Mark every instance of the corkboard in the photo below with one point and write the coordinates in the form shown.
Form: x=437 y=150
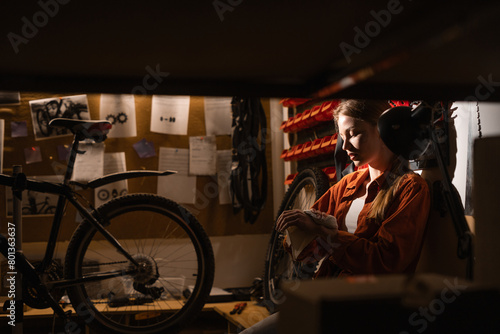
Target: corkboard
x=218 y=220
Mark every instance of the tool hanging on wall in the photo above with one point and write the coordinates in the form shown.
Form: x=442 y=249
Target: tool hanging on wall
x=249 y=167
x=479 y=132
x=403 y=130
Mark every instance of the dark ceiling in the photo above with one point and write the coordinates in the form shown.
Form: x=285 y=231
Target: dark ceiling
x=367 y=49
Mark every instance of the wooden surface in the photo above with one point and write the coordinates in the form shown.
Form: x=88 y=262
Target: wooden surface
x=250 y=315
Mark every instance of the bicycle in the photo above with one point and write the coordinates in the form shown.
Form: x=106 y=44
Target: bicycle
x=36 y=208
x=305 y=190
x=117 y=281
x=53 y=109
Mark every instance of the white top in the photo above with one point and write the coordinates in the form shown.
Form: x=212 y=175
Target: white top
x=351 y=220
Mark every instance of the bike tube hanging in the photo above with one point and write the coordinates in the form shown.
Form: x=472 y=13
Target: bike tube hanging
x=249 y=167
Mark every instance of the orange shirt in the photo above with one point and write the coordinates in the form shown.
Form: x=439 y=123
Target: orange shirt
x=390 y=246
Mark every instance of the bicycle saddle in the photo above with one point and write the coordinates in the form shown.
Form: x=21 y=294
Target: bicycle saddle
x=83 y=129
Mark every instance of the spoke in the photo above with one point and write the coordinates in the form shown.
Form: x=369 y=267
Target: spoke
x=165 y=237
x=164 y=245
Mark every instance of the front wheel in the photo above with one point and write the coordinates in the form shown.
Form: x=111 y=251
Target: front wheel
x=172 y=282
x=305 y=190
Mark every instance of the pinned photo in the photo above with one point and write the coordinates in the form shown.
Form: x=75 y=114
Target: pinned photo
x=45 y=110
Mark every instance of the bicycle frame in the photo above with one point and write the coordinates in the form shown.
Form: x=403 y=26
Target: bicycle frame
x=66 y=194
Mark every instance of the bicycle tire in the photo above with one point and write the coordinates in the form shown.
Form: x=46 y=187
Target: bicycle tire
x=50 y=210
x=27 y=210
x=172 y=241
x=306 y=188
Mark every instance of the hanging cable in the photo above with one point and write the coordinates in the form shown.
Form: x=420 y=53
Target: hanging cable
x=249 y=167
x=480 y=133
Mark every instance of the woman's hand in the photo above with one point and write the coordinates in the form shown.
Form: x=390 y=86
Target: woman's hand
x=297 y=218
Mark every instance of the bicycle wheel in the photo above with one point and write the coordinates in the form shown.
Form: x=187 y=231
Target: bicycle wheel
x=306 y=188
x=27 y=210
x=50 y=210
x=174 y=253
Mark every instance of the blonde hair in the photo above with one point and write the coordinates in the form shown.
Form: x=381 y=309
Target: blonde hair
x=370 y=111
x=366 y=110
x=388 y=189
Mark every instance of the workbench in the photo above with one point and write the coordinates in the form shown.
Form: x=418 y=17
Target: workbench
x=250 y=315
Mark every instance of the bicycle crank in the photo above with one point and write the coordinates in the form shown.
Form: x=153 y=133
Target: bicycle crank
x=32 y=297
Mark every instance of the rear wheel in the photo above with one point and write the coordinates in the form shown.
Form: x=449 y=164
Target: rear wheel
x=306 y=188
x=172 y=282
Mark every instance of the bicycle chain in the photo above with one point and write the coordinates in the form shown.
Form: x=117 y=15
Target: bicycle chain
x=104 y=264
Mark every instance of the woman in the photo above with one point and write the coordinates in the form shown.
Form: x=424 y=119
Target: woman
x=381 y=211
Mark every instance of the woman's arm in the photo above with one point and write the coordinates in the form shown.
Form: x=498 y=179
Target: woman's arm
x=321 y=246
x=302 y=228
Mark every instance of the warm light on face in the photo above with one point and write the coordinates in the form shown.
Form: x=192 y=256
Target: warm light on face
x=361 y=139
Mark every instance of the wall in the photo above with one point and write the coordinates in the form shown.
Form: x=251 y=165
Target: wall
x=439 y=253
x=466 y=124
x=218 y=220
x=235 y=241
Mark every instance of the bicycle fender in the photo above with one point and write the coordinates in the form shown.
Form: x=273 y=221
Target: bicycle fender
x=101 y=181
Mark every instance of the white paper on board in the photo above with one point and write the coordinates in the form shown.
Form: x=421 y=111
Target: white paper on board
x=119 y=109
x=89 y=165
x=170 y=114
x=113 y=163
x=202 y=155
x=178 y=187
x=218 y=115
x=34 y=202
